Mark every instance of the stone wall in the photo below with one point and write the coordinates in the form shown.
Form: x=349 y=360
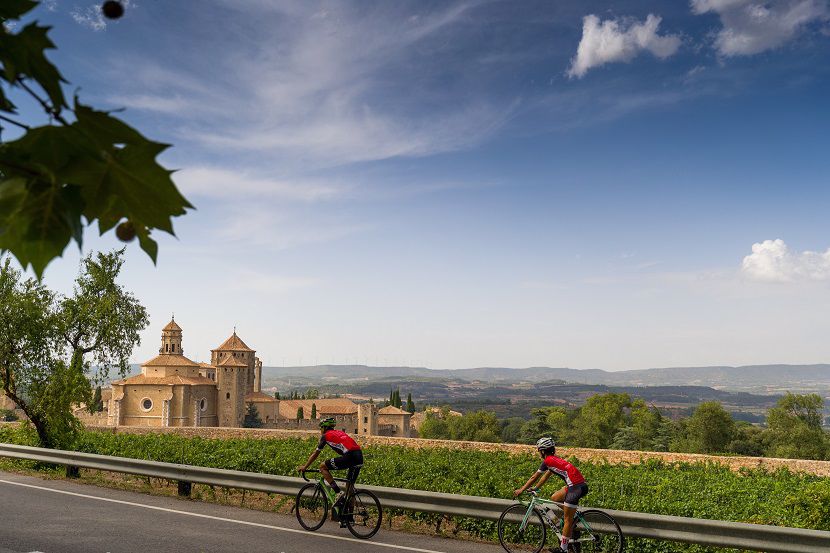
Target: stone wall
x=820 y=468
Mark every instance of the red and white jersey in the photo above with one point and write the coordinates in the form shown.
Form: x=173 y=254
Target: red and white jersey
x=566 y=471
x=338 y=441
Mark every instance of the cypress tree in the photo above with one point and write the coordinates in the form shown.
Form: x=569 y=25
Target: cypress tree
x=313 y=410
x=300 y=414
x=410 y=406
x=97 y=403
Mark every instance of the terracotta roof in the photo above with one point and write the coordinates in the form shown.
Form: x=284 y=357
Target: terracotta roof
x=172 y=326
x=392 y=410
x=231 y=361
x=169 y=360
x=234 y=343
x=206 y=365
x=166 y=380
x=260 y=397
x=334 y=406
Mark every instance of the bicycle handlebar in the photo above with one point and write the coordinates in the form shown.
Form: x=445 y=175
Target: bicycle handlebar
x=302 y=473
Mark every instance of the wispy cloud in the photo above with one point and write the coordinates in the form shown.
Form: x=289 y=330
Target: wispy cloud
x=751 y=26
x=90 y=16
x=224 y=183
x=773 y=261
x=322 y=85
x=619 y=40
x=275 y=230
x=267 y=283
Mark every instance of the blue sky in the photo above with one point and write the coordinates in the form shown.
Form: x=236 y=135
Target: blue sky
x=610 y=185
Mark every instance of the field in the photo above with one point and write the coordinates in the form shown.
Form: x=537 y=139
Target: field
x=702 y=490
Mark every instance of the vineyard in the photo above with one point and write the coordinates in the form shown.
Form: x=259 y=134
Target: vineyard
x=701 y=490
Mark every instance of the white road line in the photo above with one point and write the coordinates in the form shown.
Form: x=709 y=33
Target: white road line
x=247 y=523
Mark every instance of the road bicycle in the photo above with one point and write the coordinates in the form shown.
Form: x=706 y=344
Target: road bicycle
x=523 y=527
x=359 y=510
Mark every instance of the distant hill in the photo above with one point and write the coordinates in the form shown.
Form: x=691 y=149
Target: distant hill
x=772 y=378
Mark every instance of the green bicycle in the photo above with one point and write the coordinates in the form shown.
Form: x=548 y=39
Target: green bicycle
x=523 y=527
x=359 y=511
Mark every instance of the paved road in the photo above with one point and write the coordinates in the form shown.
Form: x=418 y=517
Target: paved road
x=57 y=516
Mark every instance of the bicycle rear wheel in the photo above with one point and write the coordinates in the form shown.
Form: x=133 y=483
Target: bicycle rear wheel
x=596 y=532
x=311 y=507
x=365 y=517
x=516 y=539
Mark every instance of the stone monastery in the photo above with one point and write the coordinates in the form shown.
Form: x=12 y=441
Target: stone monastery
x=172 y=390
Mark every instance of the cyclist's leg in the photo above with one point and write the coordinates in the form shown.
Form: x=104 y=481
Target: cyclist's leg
x=572 y=496
x=335 y=463
x=324 y=470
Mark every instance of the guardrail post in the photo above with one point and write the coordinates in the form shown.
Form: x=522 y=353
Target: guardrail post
x=73 y=472
x=185 y=488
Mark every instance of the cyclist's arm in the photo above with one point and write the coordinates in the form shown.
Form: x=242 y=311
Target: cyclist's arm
x=544 y=479
x=320 y=446
x=528 y=484
x=310 y=460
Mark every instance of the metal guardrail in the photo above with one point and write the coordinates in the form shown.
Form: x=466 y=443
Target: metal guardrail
x=774 y=539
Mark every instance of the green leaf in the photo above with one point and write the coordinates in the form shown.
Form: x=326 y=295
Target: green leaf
x=22 y=55
x=149 y=245
x=6 y=104
x=13 y=9
x=129 y=183
x=43 y=220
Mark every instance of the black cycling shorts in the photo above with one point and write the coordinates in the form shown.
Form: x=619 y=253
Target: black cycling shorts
x=575 y=493
x=352 y=460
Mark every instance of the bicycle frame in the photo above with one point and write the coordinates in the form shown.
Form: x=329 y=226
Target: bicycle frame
x=321 y=483
x=555 y=525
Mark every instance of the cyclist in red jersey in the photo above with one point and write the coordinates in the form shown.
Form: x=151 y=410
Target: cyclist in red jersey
x=569 y=495
x=351 y=456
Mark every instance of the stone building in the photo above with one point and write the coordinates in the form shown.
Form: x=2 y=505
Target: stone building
x=172 y=390
x=362 y=419
x=392 y=421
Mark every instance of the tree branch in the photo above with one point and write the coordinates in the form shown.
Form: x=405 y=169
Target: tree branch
x=49 y=109
x=13 y=122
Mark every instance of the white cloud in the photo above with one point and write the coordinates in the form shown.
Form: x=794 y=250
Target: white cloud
x=772 y=261
x=91 y=16
x=249 y=281
x=318 y=87
x=753 y=26
x=267 y=228
x=215 y=182
x=619 y=40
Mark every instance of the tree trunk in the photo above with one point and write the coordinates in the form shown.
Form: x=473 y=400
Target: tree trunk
x=39 y=424
x=40 y=427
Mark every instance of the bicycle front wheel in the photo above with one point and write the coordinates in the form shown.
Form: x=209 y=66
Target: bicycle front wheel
x=596 y=532
x=516 y=535
x=311 y=507
x=364 y=518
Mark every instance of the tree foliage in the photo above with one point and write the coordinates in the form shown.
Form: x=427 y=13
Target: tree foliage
x=97 y=404
x=52 y=347
x=710 y=429
x=478 y=426
x=82 y=166
x=252 y=419
x=795 y=427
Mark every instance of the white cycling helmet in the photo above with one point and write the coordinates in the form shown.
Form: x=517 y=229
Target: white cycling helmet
x=543 y=444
